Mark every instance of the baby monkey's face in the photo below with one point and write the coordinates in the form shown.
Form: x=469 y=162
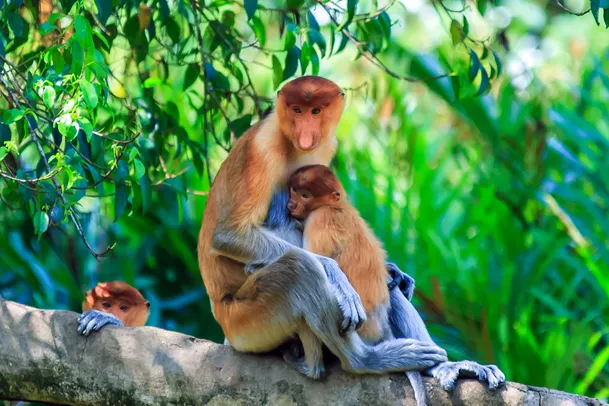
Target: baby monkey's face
x=310 y=190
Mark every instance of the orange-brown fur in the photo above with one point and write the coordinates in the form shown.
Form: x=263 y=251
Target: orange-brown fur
x=260 y=163
x=334 y=228
x=120 y=299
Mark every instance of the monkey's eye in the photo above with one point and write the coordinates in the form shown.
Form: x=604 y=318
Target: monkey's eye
x=297 y=110
x=316 y=110
x=305 y=195
x=124 y=308
x=106 y=305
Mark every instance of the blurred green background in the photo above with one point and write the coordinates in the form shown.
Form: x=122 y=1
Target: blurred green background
x=489 y=186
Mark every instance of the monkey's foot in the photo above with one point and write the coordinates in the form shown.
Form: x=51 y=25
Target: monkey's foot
x=93 y=320
x=297 y=361
x=401 y=280
x=447 y=373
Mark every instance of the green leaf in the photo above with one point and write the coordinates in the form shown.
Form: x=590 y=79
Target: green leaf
x=164 y=7
x=475 y=67
x=146 y=193
x=312 y=21
x=385 y=22
x=484 y=83
x=240 y=125
x=10 y=116
x=315 y=37
x=259 y=30
x=277 y=72
x=455 y=32
x=456 y=86
x=290 y=37
x=291 y=62
x=3 y=153
x=41 y=222
x=139 y=168
x=294 y=4
x=250 y=7
x=314 y=62
x=152 y=82
x=89 y=93
x=482 y=6
x=78 y=58
x=120 y=200
x=594 y=6
x=102 y=39
x=351 y=7
x=606 y=17
x=104 y=9
x=465 y=26
x=331 y=45
x=343 y=43
x=191 y=75
x=82 y=31
x=498 y=62
x=305 y=57
x=58 y=61
x=87 y=127
x=48 y=96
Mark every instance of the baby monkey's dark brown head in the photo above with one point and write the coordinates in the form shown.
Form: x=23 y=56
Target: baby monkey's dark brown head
x=312 y=187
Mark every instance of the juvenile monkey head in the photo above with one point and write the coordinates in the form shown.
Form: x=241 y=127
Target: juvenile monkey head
x=309 y=109
x=119 y=299
x=312 y=187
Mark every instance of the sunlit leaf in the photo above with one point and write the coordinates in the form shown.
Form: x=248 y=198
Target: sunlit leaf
x=351 y=7
x=10 y=116
x=259 y=30
x=277 y=72
x=48 y=96
x=475 y=65
x=594 y=7
x=41 y=222
x=89 y=93
x=455 y=32
x=312 y=21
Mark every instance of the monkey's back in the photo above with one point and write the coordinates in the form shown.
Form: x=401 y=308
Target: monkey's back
x=359 y=254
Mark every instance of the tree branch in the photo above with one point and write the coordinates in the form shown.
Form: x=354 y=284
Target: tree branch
x=42 y=358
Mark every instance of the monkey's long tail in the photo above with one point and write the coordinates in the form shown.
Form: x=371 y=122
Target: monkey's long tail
x=420 y=393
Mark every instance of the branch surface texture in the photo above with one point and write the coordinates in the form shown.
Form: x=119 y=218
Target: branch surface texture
x=42 y=358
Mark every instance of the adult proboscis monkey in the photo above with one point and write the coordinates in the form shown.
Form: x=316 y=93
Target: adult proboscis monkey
x=285 y=290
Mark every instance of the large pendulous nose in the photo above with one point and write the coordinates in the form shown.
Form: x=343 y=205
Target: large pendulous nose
x=291 y=205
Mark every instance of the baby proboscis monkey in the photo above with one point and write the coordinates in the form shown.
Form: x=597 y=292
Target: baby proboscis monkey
x=113 y=303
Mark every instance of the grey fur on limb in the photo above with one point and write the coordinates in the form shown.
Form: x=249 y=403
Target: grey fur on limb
x=43 y=358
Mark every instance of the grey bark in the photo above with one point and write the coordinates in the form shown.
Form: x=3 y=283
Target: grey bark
x=42 y=358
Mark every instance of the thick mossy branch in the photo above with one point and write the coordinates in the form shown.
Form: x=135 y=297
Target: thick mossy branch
x=42 y=358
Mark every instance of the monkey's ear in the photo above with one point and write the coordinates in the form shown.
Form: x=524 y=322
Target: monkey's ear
x=278 y=92
x=342 y=94
x=336 y=195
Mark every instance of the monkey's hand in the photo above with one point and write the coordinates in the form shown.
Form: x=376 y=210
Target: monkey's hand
x=403 y=281
x=93 y=320
x=349 y=301
x=447 y=373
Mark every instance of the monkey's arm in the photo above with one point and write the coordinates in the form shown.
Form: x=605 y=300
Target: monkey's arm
x=93 y=320
x=258 y=246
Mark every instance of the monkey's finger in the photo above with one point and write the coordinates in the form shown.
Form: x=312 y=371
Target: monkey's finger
x=498 y=373
x=84 y=320
x=90 y=326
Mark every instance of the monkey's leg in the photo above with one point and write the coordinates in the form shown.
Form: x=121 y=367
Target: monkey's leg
x=311 y=362
x=273 y=303
x=257 y=247
x=406 y=322
x=94 y=320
